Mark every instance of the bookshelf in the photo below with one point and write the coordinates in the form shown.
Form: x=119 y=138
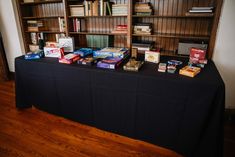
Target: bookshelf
x=170 y=19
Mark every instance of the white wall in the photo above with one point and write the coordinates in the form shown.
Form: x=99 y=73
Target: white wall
x=12 y=38
x=224 y=53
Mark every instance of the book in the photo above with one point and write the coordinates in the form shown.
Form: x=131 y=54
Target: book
x=190 y=71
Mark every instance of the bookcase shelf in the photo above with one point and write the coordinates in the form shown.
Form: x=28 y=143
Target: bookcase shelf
x=40 y=2
x=171 y=22
x=45 y=17
x=98 y=33
x=180 y=36
x=175 y=16
x=106 y=16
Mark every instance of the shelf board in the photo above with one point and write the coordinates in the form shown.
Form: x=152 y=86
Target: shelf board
x=47 y=32
x=41 y=2
x=177 y=16
x=97 y=33
x=106 y=16
x=47 y=17
x=182 y=36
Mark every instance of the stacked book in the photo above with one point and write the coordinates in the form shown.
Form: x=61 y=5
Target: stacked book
x=143 y=45
x=122 y=29
x=35 y=25
x=119 y=9
x=200 y=11
x=111 y=52
x=143 y=28
x=77 y=10
x=143 y=8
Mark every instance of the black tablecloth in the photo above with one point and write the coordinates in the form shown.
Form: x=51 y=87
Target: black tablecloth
x=170 y=110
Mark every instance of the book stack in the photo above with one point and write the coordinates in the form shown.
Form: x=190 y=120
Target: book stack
x=200 y=11
x=79 y=25
x=119 y=9
x=77 y=10
x=35 y=25
x=120 y=29
x=111 y=52
x=143 y=28
x=143 y=45
x=143 y=8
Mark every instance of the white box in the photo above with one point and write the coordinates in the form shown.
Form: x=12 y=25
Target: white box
x=152 y=56
x=67 y=44
x=53 y=52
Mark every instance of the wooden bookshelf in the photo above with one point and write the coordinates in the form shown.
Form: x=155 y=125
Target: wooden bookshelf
x=171 y=22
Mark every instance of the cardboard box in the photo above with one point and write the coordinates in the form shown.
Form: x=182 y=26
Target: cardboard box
x=53 y=52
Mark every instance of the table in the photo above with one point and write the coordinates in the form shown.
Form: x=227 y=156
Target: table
x=170 y=110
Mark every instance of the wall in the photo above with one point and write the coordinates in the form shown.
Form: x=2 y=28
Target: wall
x=12 y=38
x=224 y=53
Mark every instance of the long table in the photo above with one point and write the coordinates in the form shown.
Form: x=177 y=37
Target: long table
x=170 y=110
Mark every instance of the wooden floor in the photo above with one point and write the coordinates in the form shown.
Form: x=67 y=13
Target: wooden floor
x=30 y=132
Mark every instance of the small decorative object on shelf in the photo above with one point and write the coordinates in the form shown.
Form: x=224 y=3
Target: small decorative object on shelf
x=67 y=44
x=152 y=56
x=133 y=65
x=190 y=71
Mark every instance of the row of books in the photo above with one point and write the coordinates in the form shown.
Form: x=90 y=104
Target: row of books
x=92 y=8
x=100 y=41
x=47 y=10
x=46 y=25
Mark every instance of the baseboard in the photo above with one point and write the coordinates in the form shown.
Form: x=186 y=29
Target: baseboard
x=229 y=115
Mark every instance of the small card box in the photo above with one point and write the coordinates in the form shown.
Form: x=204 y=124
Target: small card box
x=152 y=56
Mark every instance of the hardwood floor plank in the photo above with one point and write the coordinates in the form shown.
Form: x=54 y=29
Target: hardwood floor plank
x=31 y=132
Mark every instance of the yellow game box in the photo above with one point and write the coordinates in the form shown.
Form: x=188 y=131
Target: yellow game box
x=190 y=71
